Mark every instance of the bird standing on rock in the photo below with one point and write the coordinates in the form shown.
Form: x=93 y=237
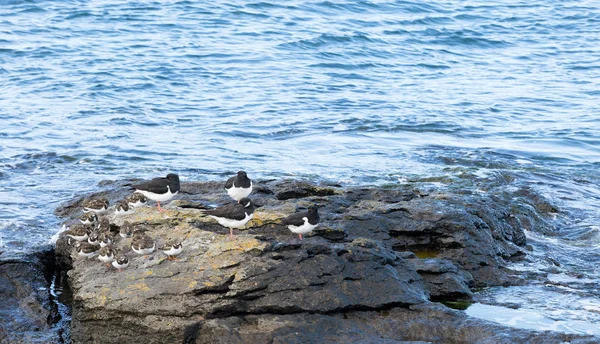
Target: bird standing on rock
x=160 y=189
x=303 y=222
x=89 y=218
x=85 y=249
x=106 y=254
x=239 y=186
x=122 y=208
x=172 y=249
x=79 y=232
x=126 y=230
x=142 y=244
x=96 y=205
x=103 y=225
x=233 y=215
x=120 y=260
x=105 y=239
x=136 y=200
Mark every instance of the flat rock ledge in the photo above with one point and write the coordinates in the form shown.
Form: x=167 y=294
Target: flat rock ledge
x=368 y=274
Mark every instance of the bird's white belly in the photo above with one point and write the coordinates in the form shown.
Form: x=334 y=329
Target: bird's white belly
x=87 y=255
x=144 y=250
x=119 y=266
x=158 y=197
x=303 y=229
x=78 y=238
x=106 y=259
x=97 y=211
x=229 y=223
x=136 y=204
x=173 y=251
x=239 y=193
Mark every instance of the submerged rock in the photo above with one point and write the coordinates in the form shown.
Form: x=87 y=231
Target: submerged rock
x=378 y=252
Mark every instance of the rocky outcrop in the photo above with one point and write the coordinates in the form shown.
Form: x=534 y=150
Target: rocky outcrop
x=368 y=272
x=26 y=311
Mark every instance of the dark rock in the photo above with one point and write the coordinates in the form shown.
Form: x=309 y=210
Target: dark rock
x=295 y=189
x=444 y=280
x=25 y=307
x=425 y=323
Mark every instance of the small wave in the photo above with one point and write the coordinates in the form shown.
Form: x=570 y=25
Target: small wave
x=462 y=38
x=327 y=39
x=34 y=161
x=344 y=66
x=427 y=21
x=249 y=14
x=33 y=9
x=79 y=14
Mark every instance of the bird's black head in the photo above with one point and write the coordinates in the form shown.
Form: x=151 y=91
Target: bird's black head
x=173 y=182
x=246 y=202
x=242 y=174
x=313 y=209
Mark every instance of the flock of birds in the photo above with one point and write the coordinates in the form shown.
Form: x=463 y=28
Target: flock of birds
x=95 y=235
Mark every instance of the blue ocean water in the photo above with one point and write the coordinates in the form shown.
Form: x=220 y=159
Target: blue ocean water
x=356 y=92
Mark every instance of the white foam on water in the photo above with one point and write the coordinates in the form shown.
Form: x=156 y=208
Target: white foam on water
x=530 y=319
x=56 y=235
x=523 y=162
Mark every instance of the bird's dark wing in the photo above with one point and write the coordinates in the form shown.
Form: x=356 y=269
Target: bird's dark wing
x=296 y=219
x=229 y=183
x=233 y=211
x=156 y=185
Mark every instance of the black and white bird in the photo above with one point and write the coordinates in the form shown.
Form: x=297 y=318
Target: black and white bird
x=172 y=249
x=85 y=249
x=239 y=186
x=96 y=205
x=122 y=208
x=79 y=232
x=126 y=230
x=303 y=222
x=106 y=254
x=120 y=260
x=103 y=225
x=159 y=189
x=105 y=239
x=142 y=244
x=136 y=200
x=233 y=215
x=89 y=218
x=93 y=238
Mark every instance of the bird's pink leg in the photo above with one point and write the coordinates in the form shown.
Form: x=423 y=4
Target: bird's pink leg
x=300 y=235
x=231 y=233
x=159 y=208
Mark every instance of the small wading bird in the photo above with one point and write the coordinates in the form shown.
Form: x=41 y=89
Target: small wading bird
x=85 y=249
x=142 y=243
x=172 y=249
x=120 y=261
x=106 y=254
x=136 y=200
x=96 y=205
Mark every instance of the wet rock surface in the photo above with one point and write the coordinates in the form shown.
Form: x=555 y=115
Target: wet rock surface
x=368 y=273
x=26 y=311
